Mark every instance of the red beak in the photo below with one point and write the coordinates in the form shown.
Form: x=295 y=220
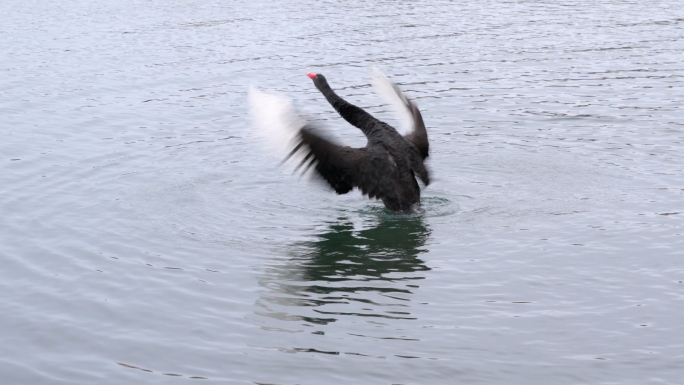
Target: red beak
x=311 y=75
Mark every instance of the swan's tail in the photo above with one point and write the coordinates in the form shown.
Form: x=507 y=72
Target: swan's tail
x=395 y=97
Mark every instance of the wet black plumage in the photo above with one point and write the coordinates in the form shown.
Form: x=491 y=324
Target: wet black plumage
x=385 y=169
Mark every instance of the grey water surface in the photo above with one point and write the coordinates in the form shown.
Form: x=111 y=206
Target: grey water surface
x=148 y=237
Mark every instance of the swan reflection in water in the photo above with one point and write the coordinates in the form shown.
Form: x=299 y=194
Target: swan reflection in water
x=367 y=272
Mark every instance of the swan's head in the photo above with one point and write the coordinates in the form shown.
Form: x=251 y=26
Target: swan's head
x=318 y=79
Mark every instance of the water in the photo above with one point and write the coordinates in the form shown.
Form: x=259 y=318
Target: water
x=147 y=237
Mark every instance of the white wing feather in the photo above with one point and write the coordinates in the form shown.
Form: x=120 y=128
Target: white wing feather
x=277 y=124
x=393 y=95
x=274 y=119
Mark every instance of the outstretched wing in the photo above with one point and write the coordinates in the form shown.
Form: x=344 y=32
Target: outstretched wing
x=372 y=171
x=407 y=110
x=419 y=134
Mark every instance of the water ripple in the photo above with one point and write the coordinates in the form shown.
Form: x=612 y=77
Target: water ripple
x=145 y=238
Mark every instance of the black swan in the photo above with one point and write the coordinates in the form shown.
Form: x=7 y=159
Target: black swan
x=385 y=169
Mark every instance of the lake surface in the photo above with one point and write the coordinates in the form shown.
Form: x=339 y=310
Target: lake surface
x=147 y=236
